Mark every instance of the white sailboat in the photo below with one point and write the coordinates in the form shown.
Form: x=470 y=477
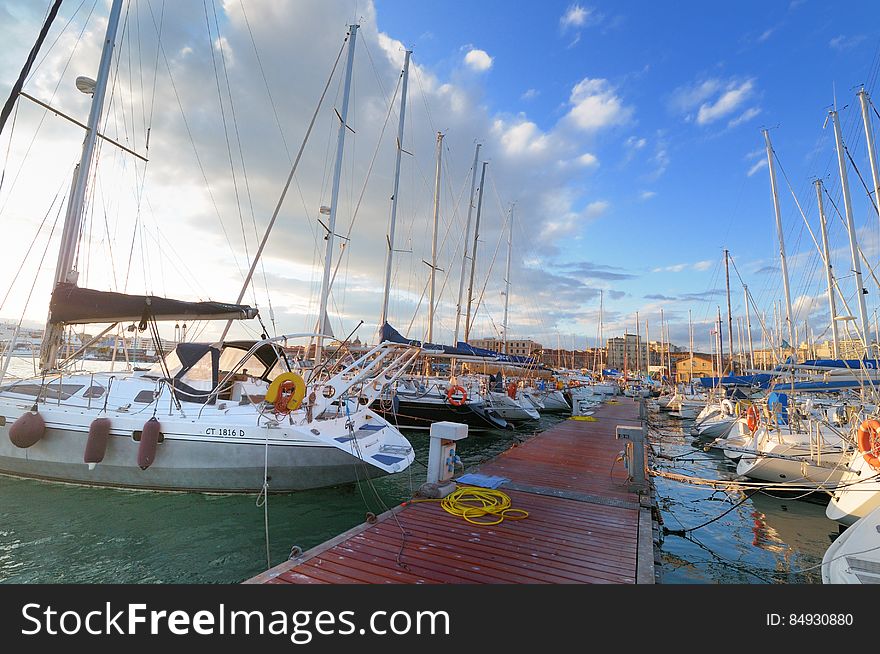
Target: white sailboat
x=225 y=417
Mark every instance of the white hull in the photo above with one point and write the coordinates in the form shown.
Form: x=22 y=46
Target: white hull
x=854 y=558
x=510 y=409
x=859 y=494
x=805 y=469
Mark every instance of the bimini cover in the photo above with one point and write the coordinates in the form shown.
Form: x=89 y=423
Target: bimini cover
x=71 y=304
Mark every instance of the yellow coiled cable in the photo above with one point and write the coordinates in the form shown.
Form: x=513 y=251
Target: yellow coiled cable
x=473 y=503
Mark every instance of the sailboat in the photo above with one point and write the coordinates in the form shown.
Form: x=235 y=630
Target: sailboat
x=231 y=416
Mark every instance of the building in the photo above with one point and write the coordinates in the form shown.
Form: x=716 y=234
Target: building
x=519 y=348
x=576 y=359
x=686 y=369
x=625 y=352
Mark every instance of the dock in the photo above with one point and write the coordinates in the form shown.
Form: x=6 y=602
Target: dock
x=586 y=523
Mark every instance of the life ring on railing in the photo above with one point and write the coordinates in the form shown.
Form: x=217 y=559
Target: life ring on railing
x=511 y=390
x=753 y=418
x=574 y=383
x=286 y=392
x=456 y=395
x=868 y=440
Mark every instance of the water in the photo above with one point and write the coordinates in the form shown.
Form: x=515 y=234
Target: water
x=765 y=539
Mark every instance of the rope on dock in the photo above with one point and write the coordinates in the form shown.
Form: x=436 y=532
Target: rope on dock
x=473 y=503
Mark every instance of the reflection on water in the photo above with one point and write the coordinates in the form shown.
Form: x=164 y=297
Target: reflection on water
x=74 y=534
x=765 y=539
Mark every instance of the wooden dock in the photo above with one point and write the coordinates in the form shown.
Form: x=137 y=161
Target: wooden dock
x=585 y=524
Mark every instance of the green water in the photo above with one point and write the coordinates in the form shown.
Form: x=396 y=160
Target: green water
x=74 y=534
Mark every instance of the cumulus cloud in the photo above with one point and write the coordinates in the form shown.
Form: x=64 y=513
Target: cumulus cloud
x=595 y=104
x=575 y=16
x=842 y=42
x=709 y=100
x=744 y=117
x=478 y=60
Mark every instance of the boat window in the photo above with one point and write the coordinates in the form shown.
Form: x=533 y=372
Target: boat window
x=230 y=357
x=201 y=375
x=94 y=391
x=49 y=391
x=172 y=362
x=145 y=397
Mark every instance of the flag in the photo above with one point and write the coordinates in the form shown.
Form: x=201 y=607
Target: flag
x=785 y=343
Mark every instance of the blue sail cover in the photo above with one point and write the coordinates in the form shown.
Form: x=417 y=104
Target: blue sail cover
x=761 y=380
x=869 y=364
x=391 y=334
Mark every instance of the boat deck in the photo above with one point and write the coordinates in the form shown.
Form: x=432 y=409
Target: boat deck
x=585 y=524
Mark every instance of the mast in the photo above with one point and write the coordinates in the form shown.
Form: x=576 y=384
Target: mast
x=638 y=345
x=430 y=335
x=393 y=221
x=749 y=327
x=467 y=231
x=602 y=331
x=691 y=344
x=729 y=314
x=720 y=339
x=64 y=270
x=829 y=274
x=507 y=279
x=872 y=154
x=334 y=197
x=647 y=351
x=467 y=319
x=851 y=228
x=788 y=310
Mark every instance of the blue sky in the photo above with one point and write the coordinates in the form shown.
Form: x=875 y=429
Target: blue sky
x=627 y=134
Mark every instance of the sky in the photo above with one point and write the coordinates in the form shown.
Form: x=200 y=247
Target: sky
x=624 y=139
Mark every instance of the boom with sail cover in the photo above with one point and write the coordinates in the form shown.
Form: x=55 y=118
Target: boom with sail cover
x=71 y=305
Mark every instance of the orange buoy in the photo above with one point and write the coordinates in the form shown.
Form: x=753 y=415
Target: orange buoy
x=27 y=430
x=753 y=418
x=96 y=445
x=149 y=441
x=511 y=390
x=868 y=439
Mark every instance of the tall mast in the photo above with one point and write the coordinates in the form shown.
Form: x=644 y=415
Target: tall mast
x=720 y=340
x=64 y=270
x=467 y=319
x=430 y=335
x=729 y=315
x=638 y=345
x=662 y=348
x=851 y=228
x=393 y=222
x=691 y=344
x=467 y=231
x=749 y=327
x=788 y=310
x=647 y=350
x=507 y=279
x=872 y=154
x=334 y=196
x=829 y=274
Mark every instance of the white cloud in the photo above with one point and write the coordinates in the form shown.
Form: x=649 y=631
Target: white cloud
x=531 y=94
x=703 y=265
x=636 y=143
x=647 y=195
x=588 y=160
x=745 y=116
x=595 y=104
x=686 y=98
x=575 y=16
x=729 y=101
x=758 y=165
x=520 y=137
x=478 y=60
x=766 y=34
x=842 y=42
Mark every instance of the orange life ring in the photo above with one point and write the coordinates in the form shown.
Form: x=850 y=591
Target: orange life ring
x=511 y=390
x=753 y=417
x=456 y=395
x=574 y=383
x=868 y=440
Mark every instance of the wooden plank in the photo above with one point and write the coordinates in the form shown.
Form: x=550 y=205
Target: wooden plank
x=645 y=561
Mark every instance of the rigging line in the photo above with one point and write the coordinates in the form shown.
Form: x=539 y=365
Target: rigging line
x=24 y=259
x=46 y=111
x=868 y=192
x=247 y=184
x=34 y=70
x=491 y=265
x=198 y=157
x=225 y=125
x=9 y=146
x=19 y=83
x=864 y=258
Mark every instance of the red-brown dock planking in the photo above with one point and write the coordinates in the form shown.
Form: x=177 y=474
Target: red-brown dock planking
x=585 y=524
